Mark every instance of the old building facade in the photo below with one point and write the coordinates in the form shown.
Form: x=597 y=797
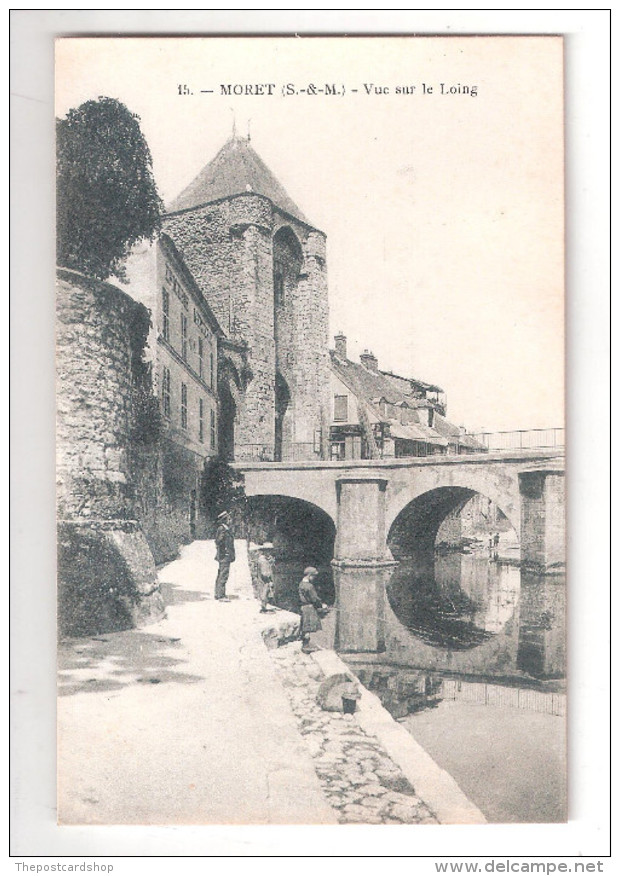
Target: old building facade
x=377 y=414
x=236 y=286
x=182 y=353
x=262 y=267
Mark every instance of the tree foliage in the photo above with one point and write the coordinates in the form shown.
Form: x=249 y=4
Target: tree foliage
x=222 y=490
x=107 y=199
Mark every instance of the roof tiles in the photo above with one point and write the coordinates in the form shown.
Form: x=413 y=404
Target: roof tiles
x=236 y=169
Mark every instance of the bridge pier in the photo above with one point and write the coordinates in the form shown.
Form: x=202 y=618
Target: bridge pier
x=360 y=526
x=360 y=600
x=542 y=520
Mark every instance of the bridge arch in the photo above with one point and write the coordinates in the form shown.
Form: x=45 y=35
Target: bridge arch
x=297 y=528
x=451 y=485
x=414 y=530
x=312 y=487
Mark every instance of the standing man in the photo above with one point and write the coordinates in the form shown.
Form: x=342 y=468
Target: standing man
x=225 y=554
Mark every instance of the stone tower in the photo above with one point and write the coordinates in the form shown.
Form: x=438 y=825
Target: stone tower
x=261 y=267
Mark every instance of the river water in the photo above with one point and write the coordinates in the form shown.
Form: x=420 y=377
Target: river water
x=468 y=653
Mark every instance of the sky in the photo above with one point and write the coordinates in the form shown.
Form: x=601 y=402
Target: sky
x=443 y=211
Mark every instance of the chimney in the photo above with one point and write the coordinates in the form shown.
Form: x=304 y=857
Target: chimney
x=369 y=361
x=340 y=342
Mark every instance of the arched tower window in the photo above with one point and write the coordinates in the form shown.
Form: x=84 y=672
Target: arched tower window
x=287 y=262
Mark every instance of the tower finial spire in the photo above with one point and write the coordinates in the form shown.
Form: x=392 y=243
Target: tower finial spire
x=249 y=131
x=234 y=124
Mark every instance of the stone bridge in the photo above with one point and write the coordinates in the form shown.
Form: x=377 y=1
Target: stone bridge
x=404 y=501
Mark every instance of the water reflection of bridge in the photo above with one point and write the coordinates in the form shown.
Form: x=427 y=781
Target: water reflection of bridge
x=384 y=616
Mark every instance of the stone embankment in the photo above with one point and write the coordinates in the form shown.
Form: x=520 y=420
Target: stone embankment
x=357 y=776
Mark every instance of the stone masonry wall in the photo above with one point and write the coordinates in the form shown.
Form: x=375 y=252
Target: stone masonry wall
x=312 y=375
x=302 y=338
x=542 y=520
x=94 y=383
x=165 y=475
x=254 y=300
x=106 y=574
x=228 y=246
x=210 y=239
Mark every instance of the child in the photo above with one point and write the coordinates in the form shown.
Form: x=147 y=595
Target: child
x=265 y=577
x=310 y=607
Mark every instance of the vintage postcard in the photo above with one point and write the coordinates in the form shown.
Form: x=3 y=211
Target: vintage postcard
x=310 y=430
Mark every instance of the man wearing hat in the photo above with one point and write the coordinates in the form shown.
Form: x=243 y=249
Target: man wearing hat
x=225 y=554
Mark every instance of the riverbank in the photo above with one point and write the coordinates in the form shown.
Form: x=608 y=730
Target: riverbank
x=194 y=720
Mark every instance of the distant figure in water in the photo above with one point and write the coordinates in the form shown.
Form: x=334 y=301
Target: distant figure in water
x=496 y=546
x=490 y=545
x=265 y=577
x=311 y=605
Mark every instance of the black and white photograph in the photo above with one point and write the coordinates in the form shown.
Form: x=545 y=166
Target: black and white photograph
x=310 y=485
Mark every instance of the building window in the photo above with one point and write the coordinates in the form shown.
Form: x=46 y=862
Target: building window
x=337 y=450
x=200 y=358
x=184 y=336
x=341 y=408
x=183 y=406
x=211 y=371
x=278 y=288
x=165 y=314
x=201 y=420
x=212 y=429
x=165 y=392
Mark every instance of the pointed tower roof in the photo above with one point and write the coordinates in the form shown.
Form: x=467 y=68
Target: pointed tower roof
x=236 y=169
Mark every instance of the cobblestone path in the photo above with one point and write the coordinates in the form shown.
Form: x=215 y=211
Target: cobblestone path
x=358 y=778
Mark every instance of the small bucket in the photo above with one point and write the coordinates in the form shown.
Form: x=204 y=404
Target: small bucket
x=349 y=705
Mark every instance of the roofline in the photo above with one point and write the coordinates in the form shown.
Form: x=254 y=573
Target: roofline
x=246 y=195
x=169 y=246
x=429 y=386
x=361 y=399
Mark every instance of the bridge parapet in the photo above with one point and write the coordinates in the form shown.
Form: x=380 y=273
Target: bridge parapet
x=542 y=457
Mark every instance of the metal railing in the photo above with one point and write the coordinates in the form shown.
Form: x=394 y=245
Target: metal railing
x=293 y=452
x=522 y=439
x=482 y=693
x=487 y=442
